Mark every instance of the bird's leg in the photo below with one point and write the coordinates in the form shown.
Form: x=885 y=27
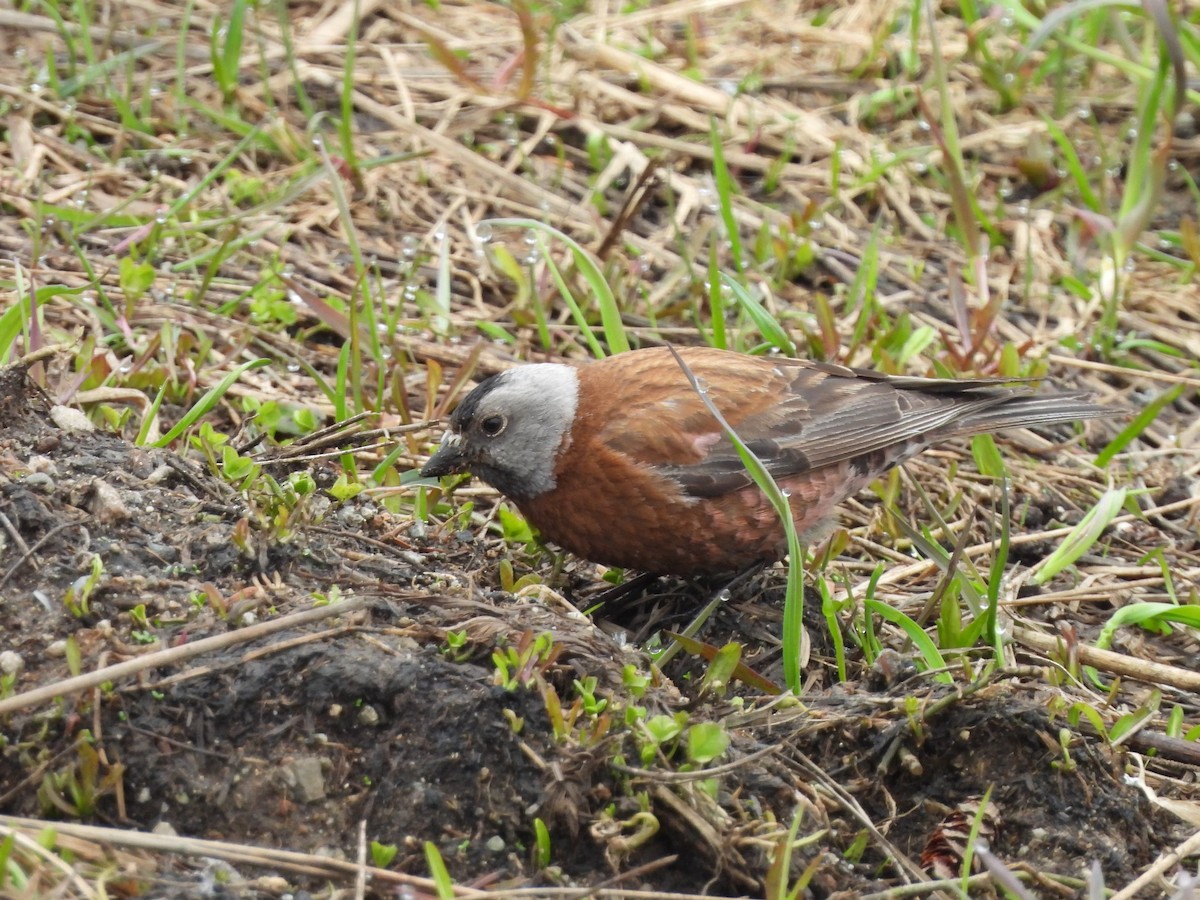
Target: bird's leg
x=616 y=599
x=742 y=578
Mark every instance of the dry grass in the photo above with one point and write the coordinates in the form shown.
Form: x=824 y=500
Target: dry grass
x=333 y=218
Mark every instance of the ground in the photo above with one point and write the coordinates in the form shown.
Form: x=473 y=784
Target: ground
x=296 y=739
x=252 y=657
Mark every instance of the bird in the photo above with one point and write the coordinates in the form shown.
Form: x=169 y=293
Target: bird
x=621 y=462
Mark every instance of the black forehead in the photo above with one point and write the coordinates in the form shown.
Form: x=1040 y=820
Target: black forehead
x=470 y=406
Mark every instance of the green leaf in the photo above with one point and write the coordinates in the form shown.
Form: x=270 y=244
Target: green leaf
x=1139 y=424
x=383 y=854
x=924 y=644
x=513 y=526
x=209 y=400
x=541 y=835
x=1082 y=537
x=135 y=278
x=706 y=742
x=664 y=728
x=438 y=872
x=768 y=326
x=610 y=312
x=795 y=639
x=987 y=457
x=1148 y=615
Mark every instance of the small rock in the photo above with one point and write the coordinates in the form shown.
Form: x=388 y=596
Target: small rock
x=107 y=505
x=165 y=552
x=306 y=779
x=70 y=419
x=39 y=481
x=11 y=662
x=42 y=464
x=166 y=829
x=368 y=715
x=890 y=668
x=275 y=885
x=162 y=473
x=1185 y=124
x=56 y=649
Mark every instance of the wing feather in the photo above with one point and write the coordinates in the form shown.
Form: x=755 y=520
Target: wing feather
x=797 y=415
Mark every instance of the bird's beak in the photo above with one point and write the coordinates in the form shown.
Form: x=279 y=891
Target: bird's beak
x=449 y=458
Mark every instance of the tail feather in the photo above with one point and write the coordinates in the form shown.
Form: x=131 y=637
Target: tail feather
x=1025 y=412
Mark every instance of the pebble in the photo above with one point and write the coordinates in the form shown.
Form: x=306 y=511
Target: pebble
x=306 y=778
x=70 y=419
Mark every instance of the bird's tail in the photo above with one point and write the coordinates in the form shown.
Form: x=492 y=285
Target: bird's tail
x=1025 y=412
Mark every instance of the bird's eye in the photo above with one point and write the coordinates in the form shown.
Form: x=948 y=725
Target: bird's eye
x=492 y=425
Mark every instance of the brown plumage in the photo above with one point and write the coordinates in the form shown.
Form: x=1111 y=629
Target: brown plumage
x=620 y=462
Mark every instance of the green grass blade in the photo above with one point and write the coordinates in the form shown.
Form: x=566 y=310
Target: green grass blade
x=725 y=191
x=610 y=312
x=438 y=871
x=1139 y=424
x=1082 y=536
x=209 y=400
x=925 y=646
x=794 y=643
x=768 y=326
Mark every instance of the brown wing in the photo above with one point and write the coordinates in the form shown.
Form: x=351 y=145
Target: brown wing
x=795 y=415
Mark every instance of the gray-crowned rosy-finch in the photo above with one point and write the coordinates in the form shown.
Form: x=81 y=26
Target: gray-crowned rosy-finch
x=620 y=462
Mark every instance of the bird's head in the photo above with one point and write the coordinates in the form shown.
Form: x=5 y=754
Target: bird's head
x=510 y=429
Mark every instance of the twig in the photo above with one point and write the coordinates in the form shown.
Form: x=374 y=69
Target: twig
x=1116 y=663
x=175 y=654
x=246 y=854
x=1188 y=848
